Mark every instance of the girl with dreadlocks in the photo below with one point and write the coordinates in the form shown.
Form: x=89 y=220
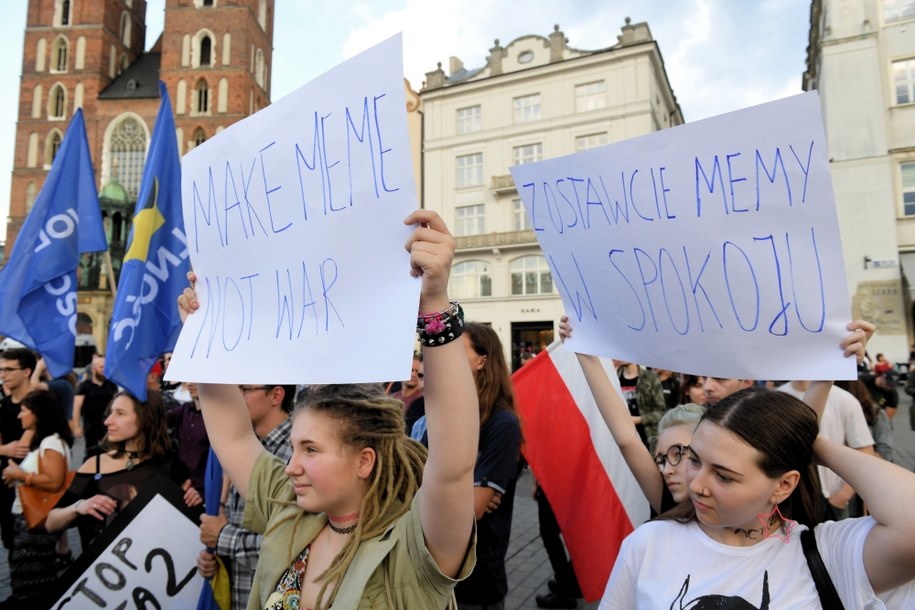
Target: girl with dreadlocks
x=361 y=517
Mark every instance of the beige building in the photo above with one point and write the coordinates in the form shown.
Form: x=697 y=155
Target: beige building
x=861 y=59
x=536 y=98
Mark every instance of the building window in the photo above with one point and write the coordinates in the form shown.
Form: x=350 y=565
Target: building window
x=590 y=96
x=527 y=108
x=520 y=220
x=59 y=54
x=471 y=280
x=125 y=28
x=206 y=51
x=203 y=97
x=128 y=153
x=259 y=68
x=469 y=119
x=904 y=80
x=470 y=220
x=470 y=170
x=57 y=102
x=199 y=137
x=908 y=187
x=207 y=2
x=898 y=10
x=54 y=140
x=531 y=275
x=61 y=13
x=529 y=153
x=30 y=194
x=590 y=141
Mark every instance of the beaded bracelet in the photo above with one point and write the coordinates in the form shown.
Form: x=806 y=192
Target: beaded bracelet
x=440 y=327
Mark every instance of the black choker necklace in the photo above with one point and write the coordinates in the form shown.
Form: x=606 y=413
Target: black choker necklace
x=342 y=530
x=131 y=456
x=756 y=533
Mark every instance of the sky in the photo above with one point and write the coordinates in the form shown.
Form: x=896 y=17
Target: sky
x=720 y=55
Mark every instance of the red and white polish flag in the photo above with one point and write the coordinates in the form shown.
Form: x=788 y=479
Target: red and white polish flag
x=594 y=495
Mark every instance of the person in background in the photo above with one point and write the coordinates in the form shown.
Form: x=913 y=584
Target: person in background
x=876 y=418
x=16 y=366
x=641 y=390
x=91 y=402
x=883 y=390
x=269 y=407
x=411 y=394
x=496 y=470
x=670 y=387
x=33 y=561
x=882 y=365
x=717 y=388
x=135 y=449
x=193 y=444
x=692 y=390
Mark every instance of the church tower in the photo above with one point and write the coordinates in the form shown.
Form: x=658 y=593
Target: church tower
x=214 y=57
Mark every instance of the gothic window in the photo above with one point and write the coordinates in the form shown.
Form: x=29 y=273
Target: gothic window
x=199 y=137
x=259 y=67
x=59 y=54
x=62 y=13
x=125 y=28
x=53 y=145
x=262 y=14
x=206 y=51
x=127 y=144
x=57 y=102
x=203 y=97
x=30 y=194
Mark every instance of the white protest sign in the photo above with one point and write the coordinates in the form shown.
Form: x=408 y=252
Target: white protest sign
x=152 y=563
x=294 y=221
x=710 y=248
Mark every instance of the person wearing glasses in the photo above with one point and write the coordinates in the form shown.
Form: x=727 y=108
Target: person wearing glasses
x=16 y=367
x=661 y=476
x=269 y=407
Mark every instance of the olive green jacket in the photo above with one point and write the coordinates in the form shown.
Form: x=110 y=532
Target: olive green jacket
x=399 y=556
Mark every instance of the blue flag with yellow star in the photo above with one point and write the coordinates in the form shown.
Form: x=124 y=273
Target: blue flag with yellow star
x=145 y=322
x=38 y=283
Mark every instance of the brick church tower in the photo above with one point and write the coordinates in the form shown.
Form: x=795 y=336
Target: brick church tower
x=213 y=55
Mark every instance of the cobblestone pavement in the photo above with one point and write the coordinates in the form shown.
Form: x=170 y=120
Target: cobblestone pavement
x=527 y=565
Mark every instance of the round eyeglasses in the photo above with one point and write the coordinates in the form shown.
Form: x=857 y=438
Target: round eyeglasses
x=673 y=456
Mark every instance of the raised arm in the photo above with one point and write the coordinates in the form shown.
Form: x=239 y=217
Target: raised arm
x=854 y=344
x=889 y=493
x=452 y=410
x=619 y=422
x=225 y=415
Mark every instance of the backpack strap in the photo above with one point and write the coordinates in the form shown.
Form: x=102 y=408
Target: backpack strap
x=829 y=597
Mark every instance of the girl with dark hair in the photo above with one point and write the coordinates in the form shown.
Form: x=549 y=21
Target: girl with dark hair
x=692 y=390
x=496 y=470
x=135 y=449
x=361 y=515
x=753 y=491
x=32 y=558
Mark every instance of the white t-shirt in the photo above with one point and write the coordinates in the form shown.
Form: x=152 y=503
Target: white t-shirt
x=843 y=422
x=666 y=564
x=30 y=461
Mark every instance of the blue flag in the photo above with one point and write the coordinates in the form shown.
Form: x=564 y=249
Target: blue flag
x=145 y=322
x=38 y=284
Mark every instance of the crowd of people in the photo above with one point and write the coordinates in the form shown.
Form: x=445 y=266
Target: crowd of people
x=401 y=495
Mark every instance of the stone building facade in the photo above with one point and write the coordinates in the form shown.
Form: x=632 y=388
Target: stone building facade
x=861 y=60
x=536 y=98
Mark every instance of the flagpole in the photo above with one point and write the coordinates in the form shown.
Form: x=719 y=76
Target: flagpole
x=110 y=272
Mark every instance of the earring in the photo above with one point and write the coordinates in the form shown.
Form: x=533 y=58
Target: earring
x=786 y=524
